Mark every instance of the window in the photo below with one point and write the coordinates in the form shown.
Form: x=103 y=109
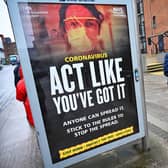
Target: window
x=139 y=7
x=153 y=22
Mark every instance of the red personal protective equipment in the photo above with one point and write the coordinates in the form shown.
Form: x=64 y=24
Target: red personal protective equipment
x=21 y=95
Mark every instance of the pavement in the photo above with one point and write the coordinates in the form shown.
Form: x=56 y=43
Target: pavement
x=132 y=156
x=19 y=148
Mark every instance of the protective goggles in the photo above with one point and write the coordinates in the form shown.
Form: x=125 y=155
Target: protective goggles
x=76 y=22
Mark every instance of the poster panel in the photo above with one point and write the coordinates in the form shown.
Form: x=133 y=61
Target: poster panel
x=81 y=60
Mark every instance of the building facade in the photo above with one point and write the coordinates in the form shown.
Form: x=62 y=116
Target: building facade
x=11 y=48
x=2 y=50
x=7 y=48
x=156 y=25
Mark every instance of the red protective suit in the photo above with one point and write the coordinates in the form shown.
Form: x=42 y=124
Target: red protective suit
x=21 y=95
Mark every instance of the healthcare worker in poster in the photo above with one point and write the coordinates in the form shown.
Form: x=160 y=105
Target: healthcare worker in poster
x=81 y=62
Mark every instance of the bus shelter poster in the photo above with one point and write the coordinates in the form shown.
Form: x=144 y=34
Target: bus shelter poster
x=81 y=62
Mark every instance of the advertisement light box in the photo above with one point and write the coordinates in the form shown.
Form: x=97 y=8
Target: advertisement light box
x=79 y=59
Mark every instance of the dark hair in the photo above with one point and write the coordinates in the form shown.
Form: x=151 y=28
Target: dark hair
x=91 y=8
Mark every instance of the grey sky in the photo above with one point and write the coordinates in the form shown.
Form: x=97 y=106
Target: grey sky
x=5 y=24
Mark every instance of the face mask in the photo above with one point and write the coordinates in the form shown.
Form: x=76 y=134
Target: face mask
x=79 y=41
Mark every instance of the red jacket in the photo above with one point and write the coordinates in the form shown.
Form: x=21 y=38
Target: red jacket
x=21 y=95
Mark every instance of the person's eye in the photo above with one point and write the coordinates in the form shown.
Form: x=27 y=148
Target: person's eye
x=74 y=24
x=90 y=24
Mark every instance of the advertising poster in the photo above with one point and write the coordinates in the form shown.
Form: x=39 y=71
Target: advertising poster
x=81 y=61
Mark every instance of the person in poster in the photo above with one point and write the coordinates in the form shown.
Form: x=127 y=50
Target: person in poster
x=81 y=25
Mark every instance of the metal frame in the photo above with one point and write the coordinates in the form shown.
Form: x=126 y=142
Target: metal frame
x=32 y=93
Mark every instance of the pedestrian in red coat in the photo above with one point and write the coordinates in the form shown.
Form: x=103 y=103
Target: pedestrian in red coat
x=21 y=95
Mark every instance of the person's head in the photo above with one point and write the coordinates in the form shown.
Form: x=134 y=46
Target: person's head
x=82 y=24
x=20 y=72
